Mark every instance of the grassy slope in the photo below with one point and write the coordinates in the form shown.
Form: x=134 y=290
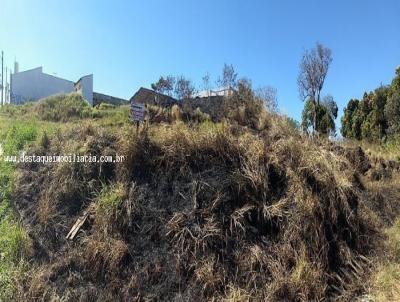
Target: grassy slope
x=385 y=281
x=14 y=243
x=19 y=129
x=15 y=246
x=385 y=276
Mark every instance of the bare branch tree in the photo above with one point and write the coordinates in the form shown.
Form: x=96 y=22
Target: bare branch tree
x=313 y=70
x=268 y=95
x=229 y=77
x=169 y=86
x=206 y=83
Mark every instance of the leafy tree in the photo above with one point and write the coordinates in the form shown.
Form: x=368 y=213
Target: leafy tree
x=243 y=106
x=347 y=118
x=164 y=85
x=331 y=106
x=372 y=118
x=245 y=90
x=314 y=67
x=392 y=107
x=293 y=123
x=392 y=113
x=325 y=115
x=184 y=88
x=395 y=86
x=378 y=119
x=357 y=122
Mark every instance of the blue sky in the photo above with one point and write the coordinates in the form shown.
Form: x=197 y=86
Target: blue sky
x=128 y=44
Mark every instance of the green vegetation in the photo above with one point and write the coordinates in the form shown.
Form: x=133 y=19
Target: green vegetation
x=326 y=115
x=59 y=108
x=111 y=198
x=15 y=245
x=375 y=118
x=318 y=114
x=62 y=108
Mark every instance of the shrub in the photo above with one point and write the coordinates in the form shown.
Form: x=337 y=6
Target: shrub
x=176 y=113
x=62 y=108
x=105 y=106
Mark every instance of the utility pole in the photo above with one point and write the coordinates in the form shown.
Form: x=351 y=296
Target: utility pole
x=7 y=97
x=6 y=88
x=2 y=76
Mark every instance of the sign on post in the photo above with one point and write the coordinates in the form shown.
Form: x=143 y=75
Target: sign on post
x=137 y=112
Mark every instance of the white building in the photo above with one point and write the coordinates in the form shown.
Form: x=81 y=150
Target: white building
x=34 y=84
x=218 y=92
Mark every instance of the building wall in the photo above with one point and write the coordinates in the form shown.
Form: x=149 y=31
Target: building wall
x=213 y=105
x=85 y=87
x=34 y=85
x=99 y=98
x=148 y=96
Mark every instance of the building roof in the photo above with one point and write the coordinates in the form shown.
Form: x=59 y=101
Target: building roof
x=40 y=69
x=148 y=96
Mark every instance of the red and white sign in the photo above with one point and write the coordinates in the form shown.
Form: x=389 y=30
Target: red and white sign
x=137 y=112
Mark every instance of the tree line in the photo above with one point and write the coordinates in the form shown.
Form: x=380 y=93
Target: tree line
x=376 y=117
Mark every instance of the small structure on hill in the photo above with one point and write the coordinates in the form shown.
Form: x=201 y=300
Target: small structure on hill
x=151 y=97
x=210 y=102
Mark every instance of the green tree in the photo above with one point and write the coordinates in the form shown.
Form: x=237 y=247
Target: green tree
x=395 y=86
x=357 y=122
x=392 y=113
x=326 y=114
x=329 y=103
x=348 y=119
x=314 y=67
x=184 y=88
x=243 y=106
x=292 y=123
x=379 y=122
x=164 y=85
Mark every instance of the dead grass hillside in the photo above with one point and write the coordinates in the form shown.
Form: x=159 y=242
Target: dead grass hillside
x=208 y=212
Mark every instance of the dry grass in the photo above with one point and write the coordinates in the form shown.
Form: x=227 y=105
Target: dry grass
x=386 y=278
x=203 y=212
x=105 y=257
x=377 y=151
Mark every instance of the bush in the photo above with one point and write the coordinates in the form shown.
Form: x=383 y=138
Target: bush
x=105 y=106
x=62 y=108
